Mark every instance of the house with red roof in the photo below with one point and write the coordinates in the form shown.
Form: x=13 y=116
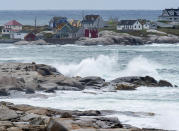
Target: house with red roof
x=11 y=27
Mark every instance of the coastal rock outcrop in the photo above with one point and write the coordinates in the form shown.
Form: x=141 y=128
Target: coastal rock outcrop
x=163 y=39
x=37 y=42
x=32 y=77
x=137 y=81
x=112 y=38
x=30 y=118
x=92 y=82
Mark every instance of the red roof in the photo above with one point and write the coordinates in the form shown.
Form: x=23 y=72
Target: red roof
x=14 y=22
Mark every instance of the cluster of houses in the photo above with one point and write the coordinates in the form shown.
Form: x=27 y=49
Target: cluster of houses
x=14 y=30
x=62 y=27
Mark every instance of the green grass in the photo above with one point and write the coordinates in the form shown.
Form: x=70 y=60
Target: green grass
x=170 y=31
x=32 y=28
x=141 y=33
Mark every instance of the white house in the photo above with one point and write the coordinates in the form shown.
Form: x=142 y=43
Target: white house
x=170 y=15
x=93 y=21
x=19 y=35
x=11 y=27
x=129 y=25
x=149 y=25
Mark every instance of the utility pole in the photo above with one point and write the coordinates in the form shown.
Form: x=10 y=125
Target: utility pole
x=35 y=24
x=83 y=14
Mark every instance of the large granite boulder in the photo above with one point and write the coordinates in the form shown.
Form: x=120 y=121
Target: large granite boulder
x=7 y=114
x=55 y=126
x=9 y=82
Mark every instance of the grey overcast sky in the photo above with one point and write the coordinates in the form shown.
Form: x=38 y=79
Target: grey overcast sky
x=87 y=4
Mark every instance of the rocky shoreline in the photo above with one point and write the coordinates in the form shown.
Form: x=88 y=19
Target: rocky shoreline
x=113 y=38
x=29 y=78
x=30 y=118
x=109 y=38
x=32 y=77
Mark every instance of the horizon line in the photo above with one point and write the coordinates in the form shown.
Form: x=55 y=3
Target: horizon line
x=79 y=9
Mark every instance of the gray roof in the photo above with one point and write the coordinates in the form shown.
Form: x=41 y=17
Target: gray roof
x=90 y=18
x=127 y=22
x=172 y=12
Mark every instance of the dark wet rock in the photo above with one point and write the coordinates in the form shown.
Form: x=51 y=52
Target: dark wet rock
x=45 y=70
x=92 y=81
x=3 y=92
x=29 y=91
x=175 y=86
x=141 y=81
x=64 y=81
x=66 y=115
x=52 y=90
x=88 y=113
x=163 y=83
x=55 y=126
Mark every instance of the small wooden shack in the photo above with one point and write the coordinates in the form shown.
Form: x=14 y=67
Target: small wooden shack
x=30 y=37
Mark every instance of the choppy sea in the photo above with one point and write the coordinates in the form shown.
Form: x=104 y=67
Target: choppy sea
x=158 y=60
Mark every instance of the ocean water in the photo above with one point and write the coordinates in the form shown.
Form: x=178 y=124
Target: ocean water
x=27 y=17
x=157 y=60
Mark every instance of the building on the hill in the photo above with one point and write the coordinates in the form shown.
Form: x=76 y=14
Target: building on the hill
x=30 y=37
x=170 y=15
x=91 y=24
x=127 y=25
x=93 y=21
x=19 y=35
x=55 y=22
x=75 y=23
x=11 y=27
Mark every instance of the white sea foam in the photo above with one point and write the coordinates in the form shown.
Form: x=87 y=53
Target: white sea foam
x=141 y=66
x=106 y=66
x=163 y=45
x=100 y=66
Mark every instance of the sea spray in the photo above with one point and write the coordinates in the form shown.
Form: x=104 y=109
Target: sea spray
x=108 y=67
x=102 y=66
x=141 y=66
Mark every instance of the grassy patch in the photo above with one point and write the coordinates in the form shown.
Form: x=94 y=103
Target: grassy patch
x=170 y=31
x=32 y=28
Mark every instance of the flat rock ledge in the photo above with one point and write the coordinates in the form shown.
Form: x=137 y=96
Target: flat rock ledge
x=30 y=118
x=32 y=77
x=37 y=42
